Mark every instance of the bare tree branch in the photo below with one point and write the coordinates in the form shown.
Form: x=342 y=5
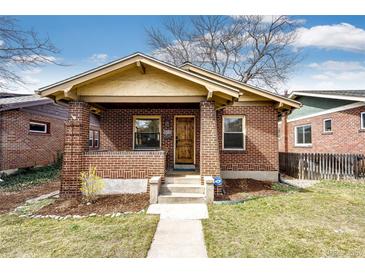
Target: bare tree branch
x=20 y=50
x=250 y=49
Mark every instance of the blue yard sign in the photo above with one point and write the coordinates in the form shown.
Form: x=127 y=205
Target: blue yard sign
x=218 y=181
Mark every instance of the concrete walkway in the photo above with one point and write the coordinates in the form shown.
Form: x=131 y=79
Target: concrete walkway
x=179 y=233
x=179 y=211
x=178 y=239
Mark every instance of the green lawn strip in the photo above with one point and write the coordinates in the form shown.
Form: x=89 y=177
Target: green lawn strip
x=127 y=236
x=29 y=177
x=327 y=220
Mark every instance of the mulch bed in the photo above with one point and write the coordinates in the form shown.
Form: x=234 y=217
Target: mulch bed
x=240 y=189
x=10 y=200
x=103 y=205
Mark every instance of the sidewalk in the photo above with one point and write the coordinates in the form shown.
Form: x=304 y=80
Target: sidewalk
x=179 y=233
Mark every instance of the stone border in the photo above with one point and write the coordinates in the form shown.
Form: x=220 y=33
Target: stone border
x=57 y=217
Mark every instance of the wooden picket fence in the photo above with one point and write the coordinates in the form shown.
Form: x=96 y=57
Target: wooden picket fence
x=315 y=166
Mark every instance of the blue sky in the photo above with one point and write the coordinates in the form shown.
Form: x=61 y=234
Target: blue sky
x=333 y=47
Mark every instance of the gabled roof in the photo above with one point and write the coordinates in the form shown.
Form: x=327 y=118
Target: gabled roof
x=352 y=95
x=117 y=64
x=22 y=101
x=241 y=85
x=213 y=83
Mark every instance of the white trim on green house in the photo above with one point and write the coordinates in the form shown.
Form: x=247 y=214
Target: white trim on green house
x=329 y=96
x=342 y=108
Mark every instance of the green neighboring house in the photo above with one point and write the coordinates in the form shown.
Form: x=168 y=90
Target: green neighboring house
x=329 y=121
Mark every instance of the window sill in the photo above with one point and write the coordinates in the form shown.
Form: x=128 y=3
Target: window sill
x=303 y=146
x=362 y=130
x=225 y=150
x=327 y=133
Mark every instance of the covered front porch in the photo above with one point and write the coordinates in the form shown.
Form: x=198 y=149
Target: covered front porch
x=139 y=144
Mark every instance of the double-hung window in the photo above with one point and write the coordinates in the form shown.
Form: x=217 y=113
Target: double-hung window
x=303 y=135
x=93 y=138
x=327 y=125
x=362 y=120
x=147 y=131
x=233 y=132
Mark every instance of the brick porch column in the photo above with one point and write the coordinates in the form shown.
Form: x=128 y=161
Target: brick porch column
x=209 y=145
x=76 y=143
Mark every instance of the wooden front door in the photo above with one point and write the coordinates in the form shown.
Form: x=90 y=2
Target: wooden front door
x=184 y=140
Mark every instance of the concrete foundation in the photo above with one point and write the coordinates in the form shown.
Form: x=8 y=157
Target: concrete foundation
x=119 y=186
x=271 y=176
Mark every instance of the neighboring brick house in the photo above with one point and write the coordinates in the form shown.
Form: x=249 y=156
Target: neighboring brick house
x=330 y=121
x=157 y=119
x=31 y=131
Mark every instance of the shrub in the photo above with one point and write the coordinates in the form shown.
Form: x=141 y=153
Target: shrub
x=91 y=184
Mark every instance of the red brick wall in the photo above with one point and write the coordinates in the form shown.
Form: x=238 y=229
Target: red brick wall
x=209 y=157
x=346 y=135
x=116 y=126
x=126 y=164
x=20 y=148
x=261 y=152
x=283 y=136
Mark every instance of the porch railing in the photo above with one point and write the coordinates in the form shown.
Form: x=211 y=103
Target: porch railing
x=315 y=166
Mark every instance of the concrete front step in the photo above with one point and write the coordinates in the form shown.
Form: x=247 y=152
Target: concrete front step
x=181 y=198
x=181 y=188
x=188 y=179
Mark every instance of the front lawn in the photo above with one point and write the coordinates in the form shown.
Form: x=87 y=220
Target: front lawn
x=127 y=236
x=327 y=220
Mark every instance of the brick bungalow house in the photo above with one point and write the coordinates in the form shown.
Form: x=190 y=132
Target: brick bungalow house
x=31 y=131
x=330 y=121
x=157 y=119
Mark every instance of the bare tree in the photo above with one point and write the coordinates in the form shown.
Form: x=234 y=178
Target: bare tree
x=20 y=50
x=251 y=49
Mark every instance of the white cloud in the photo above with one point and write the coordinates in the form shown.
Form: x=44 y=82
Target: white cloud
x=331 y=74
x=339 y=36
x=30 y=80
x=99 y=58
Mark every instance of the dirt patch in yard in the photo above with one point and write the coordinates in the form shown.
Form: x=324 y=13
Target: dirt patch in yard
x=103 y=205
x=240 y=189
x=12 y=199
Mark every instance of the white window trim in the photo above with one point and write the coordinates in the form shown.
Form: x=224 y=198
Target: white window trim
x=324 y=125
x=295 y=136
x=243 y=117
x=135 y=117
x=362 y=120
x=41 y=124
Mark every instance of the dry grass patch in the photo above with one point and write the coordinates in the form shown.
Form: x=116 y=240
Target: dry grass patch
x=93 y=237
x=327 y=220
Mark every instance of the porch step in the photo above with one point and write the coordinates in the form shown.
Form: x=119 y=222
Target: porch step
x=181 y=188
x=181 y=198
x=185 y=179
